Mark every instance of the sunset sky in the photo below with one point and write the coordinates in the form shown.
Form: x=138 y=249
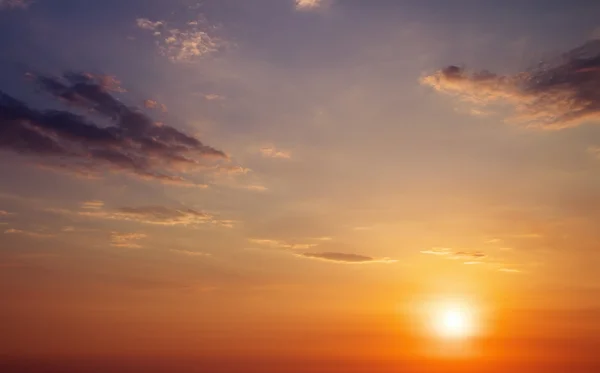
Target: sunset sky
x=300 y=185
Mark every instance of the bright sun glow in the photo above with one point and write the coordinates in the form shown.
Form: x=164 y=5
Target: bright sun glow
x=454 y=322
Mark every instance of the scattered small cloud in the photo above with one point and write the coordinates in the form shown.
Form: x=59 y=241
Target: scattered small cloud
x=509 y=270
x=33 y=234
x=468 y=254
x=158 y=215
x=281 y=244
x=308 y=4
x=255 y=188
x=440 y=251
x=185 y=43
x=345 y=258
x=594 y=151
x=153 y=104
x=324 y=238
x=468 y=257
x=190 y=253
x=272 y=152
x=126 y=240
x=364 y=228
x=554 y=95
x=92 y=205
x=213 y=97
x=146 y=24
x=494 y=241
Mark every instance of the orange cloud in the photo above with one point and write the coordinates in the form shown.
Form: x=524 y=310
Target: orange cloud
x=182 y=44
x=126 y=240
x=272 y=152
x=345 y=258
x=308 y=4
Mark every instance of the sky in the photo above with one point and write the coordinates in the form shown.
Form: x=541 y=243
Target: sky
x=298 y=185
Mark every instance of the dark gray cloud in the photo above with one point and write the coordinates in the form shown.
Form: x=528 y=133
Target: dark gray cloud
x=131 y=142
x=553 y=95
x=346 y=258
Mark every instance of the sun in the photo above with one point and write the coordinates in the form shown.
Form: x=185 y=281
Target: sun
x=454 y=321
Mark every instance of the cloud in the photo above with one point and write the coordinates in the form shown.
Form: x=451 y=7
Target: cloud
x=213 y=97
x=157 y=215
x=14 y=3
x=153 y=104
x=146 y=24
x=182 y=44
x=345 y=258
x=469 y=257
x=308 y=4
x=554 y=95
x=4 y=213
x=272 y=152
x=28 y=233
x=437 y=251
x=126 y=240
x=281 y=244
x=132 y=143
x=255 y=188
x=509 y=270
x=594 y=151
x=92 y=205
x=190 y=253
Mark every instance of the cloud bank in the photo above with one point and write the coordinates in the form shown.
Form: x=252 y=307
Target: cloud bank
x=131 y=143
x=554 y=95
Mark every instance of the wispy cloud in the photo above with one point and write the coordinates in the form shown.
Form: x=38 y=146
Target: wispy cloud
x=185 y=43
x=468 y=257
x=213 y=97
x=272 y=152
x=281 y=244
x=33 y=234
x=558 y=94
x=345 y=258
x=510 y=270
x=126 y=240
x=255 y=188
x=440 y=251
x=594 y=151
x=92 y=205
x=158 y=215
x=133 y=144
x=190 y=253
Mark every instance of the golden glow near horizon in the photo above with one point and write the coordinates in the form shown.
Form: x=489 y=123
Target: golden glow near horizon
x=455 y=321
